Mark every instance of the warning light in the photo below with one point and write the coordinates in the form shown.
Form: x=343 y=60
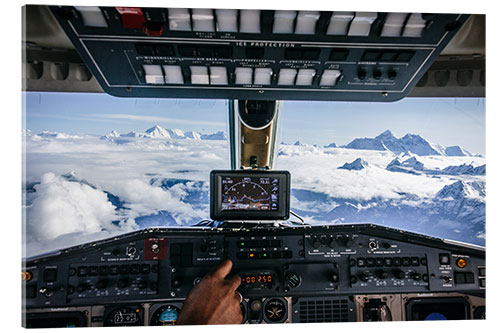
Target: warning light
x=137 y=310
x=461 y=263
x=25 y=276
x=251 y=255
x=242 y=243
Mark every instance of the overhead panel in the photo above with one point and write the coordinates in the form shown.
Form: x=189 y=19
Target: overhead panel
x=256 y=54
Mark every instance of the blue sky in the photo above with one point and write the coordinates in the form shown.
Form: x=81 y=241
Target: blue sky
x=447 y=121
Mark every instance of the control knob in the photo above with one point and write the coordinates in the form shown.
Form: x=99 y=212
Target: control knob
x=381 y=274
x=365 y=277
x=398 y=274
x=122 y=283
x=101 y=284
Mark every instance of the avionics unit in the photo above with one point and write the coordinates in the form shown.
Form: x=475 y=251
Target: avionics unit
x=249 y=195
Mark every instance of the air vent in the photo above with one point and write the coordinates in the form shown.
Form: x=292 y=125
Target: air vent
x=323 y=311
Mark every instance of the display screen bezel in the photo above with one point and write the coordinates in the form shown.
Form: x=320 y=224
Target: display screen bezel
x=216 y=212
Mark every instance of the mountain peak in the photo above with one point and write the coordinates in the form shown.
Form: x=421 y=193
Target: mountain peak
x=385 y=135
x=357 y=164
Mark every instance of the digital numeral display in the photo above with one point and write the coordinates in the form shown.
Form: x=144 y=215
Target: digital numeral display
x=255 y=279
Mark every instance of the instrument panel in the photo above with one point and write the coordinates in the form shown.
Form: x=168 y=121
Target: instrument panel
x=256 y=54
x=306 y=274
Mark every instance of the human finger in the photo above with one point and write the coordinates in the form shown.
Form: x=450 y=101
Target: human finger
x=234 y=281
x=223 y=269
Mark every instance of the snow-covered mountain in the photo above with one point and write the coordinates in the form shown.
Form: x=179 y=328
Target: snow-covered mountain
x=159 y=132
x=408 y=144
x=215 y=136
x=331 y=145
x=410 y=165
x=357 y=164
x=465 y=169
x=456 y=151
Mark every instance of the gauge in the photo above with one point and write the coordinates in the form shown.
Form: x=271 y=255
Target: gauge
x=126 y=316
x=166 y=315
x=275 y=310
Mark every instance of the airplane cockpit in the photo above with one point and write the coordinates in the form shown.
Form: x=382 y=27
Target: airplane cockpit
x=336 y=158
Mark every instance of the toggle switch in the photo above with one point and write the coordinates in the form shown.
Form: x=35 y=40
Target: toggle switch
x=287 y=76
x=203 y=19
x=262 y=76
x=339 y=23
x=199 y=75
x=362 y=23
x=306 y=22
x=179 y=19
x=283 y=21
x=305 y=77
x=173 y=74
x=414 y=26
x=227 y=20
x=92 y=16
x=218 y=75
x=393 y=24
x=243 y=75
x=132 y=17
x=153 y=74
x=250 y=21
x=329 y=77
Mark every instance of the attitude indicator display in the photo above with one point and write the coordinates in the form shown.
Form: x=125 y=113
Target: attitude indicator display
x=249 y=195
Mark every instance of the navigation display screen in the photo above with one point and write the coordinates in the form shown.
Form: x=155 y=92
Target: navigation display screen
x=249 y=195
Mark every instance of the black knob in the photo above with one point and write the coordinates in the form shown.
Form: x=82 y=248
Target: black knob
x=176 y=283
x=365 y=277
x=381 y=274
x=398 y=274
x=333 y=243
x=377 y=74
x=154 y=286
x=316 y=244
x=386 y=245
x=353 y=279
x=141 y=284
x=348 y=242
x=361 y=74
x=392 y=75
x=122 y=283
x=70 y=290
x=101 y=284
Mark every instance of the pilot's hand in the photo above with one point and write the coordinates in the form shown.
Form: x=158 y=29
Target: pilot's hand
x=214 y=300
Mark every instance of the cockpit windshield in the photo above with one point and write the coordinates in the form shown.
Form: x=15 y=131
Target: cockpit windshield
x=98 y=166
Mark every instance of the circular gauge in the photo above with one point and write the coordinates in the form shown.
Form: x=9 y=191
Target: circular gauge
x=275 y=310
x=124 y=317
x=166 y=315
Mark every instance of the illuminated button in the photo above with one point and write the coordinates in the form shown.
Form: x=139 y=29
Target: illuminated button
x=251 y=255
x=92 y=16
x=218 y=75
x=199 y=75
x=362 y=23
x=461 y=263
x=482 y=283
x=283 y=21
x=339 y=23
x=306 y=22
x=227 y=20
x=262 y=76
x=243 y=75
x=203 y=19
x=27 y=276
x=393 y=24
x=173 y=74
x=414 y=26
x=250 y=21
x=179 y=19
x=145 y=269
x=132 y=17
x=287 y=76
x=241 y=244
x=153 y=74
x=329 y=77
x=444 y=259
x=305 y=77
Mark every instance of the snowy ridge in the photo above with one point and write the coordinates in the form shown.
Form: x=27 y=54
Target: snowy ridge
x=159 y=132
